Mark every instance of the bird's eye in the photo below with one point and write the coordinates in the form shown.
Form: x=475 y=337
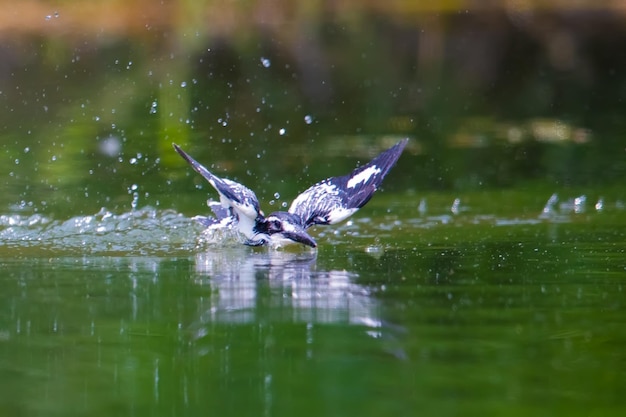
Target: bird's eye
x=274 y=226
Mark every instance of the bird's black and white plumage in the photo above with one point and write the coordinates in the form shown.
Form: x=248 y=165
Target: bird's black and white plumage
x=327 y=202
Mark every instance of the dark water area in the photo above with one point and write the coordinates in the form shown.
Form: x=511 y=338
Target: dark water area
x=485 y=277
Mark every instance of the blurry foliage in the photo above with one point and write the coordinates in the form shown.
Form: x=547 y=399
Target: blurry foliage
x=490 y=95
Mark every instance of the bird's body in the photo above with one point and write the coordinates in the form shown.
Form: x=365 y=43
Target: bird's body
x=327 y=202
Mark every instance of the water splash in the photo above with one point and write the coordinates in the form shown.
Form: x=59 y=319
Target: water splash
x=151 y=231
x=142 y=231
x=576 y=204
x=219 y=237
x=550 y=208
x=456 y=204
x=553 y=210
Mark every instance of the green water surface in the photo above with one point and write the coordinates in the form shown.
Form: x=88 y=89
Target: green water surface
x=441 y=315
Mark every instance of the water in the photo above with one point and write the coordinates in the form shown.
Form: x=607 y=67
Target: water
x=483 y=314
x=486 y=277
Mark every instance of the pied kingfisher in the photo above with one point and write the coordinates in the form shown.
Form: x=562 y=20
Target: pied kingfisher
x=327 y=202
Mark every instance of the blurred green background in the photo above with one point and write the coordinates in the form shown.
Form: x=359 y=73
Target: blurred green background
x=493 y=94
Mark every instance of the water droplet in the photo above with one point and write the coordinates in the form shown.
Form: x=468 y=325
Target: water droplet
x=600 y=204
x=183 y=84
x=276 y=196
x=265 y=62
x=111 y=146
x=421 y=208
x=282 y=131
x=135 y=202
x=153 y=107
x=133 y=161
x=374 y=249
x=284 y=204
x=308 y=119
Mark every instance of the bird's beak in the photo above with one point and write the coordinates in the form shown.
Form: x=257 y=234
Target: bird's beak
x=300 y=236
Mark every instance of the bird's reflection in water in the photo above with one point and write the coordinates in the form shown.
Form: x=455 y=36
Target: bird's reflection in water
x=284 y=285
x=257 y=288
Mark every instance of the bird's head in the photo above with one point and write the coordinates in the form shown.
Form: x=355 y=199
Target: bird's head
x=284 y=228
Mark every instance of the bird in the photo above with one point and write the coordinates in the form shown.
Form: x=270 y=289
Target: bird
x=326 y=203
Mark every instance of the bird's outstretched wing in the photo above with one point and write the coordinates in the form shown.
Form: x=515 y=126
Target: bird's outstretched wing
x=224 y=216
x=233 y=195
x=337 y=198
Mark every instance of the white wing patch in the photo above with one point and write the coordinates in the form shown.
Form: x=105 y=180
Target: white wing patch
x=316 y=193
x=340 y=214
x=322 y=204
x=363 y=176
